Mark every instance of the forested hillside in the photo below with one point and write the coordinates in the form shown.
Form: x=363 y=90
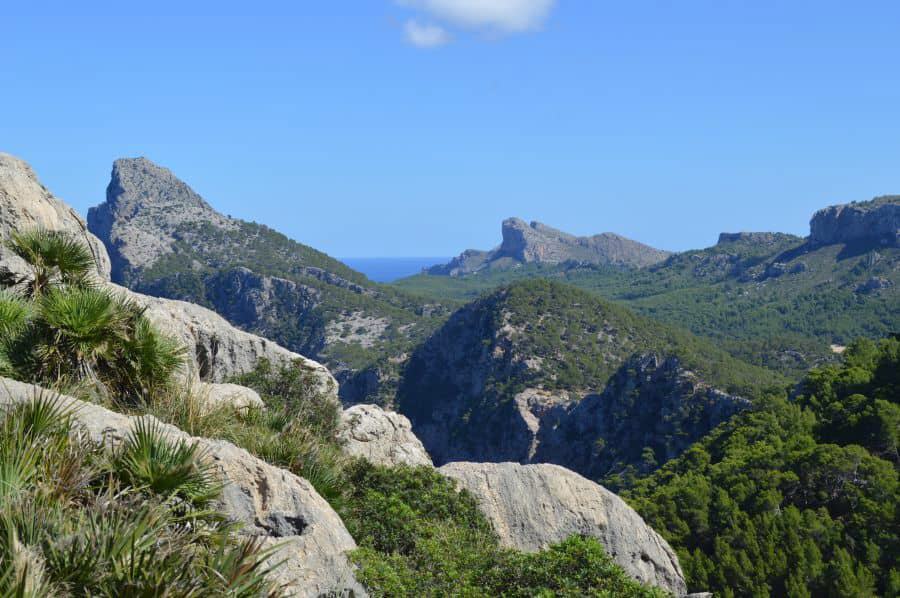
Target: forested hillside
x=797 y=497
x=524 y=374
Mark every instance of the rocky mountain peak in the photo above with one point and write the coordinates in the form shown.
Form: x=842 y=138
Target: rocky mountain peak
x=145 y=207
x=138 y=183
x=537 y=242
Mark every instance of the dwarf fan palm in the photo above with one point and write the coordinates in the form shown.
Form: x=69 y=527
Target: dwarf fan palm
x=80 y=326
x=53 y=257
x=15 y=315
x=148 y=360
x=166 y=467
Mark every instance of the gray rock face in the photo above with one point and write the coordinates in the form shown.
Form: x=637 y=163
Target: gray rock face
x=877 y=220
x=25 y=204
x=272 y=503
x=650 y=403
x=525 y=243
x=381 y=437
x=533 y=506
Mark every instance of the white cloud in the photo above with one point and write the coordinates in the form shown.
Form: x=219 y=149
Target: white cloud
x=424 y=35
x=505 y=16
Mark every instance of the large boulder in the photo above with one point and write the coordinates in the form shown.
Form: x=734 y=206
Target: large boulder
x=282 y=508
x=241 y=398
x=381 y=437
x=533 y=506
x=26 y=204
x=218 y=350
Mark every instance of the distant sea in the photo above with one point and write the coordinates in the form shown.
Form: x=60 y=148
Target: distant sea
x=389 y=269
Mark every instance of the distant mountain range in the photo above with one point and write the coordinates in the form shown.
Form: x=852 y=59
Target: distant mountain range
x=773 y=299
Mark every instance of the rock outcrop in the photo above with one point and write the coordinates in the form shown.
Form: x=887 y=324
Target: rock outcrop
x=533 y=506
x=26 y=204
x=525 y=243
x=876 y=221
x=147 y=204
x=270 y=502
x=756 y=238
x=381 y=437
x=241 y=398
x=218 y=349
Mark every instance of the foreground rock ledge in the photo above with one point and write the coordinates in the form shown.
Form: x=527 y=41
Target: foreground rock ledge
x=273 y=503
x=533 y=506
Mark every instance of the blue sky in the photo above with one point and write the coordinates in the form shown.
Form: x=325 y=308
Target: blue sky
x=385 y=128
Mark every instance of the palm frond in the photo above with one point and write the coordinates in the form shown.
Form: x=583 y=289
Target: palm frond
x=14 y=314
x=165 y=467
x=54 y=257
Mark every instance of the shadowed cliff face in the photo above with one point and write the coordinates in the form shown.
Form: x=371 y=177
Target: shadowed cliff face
x=525 y=243
x=166 y=240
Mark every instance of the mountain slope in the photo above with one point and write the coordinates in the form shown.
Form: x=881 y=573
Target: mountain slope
x=166 y=240
x=524 y=375
x=538 y=243
x=773 y=299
